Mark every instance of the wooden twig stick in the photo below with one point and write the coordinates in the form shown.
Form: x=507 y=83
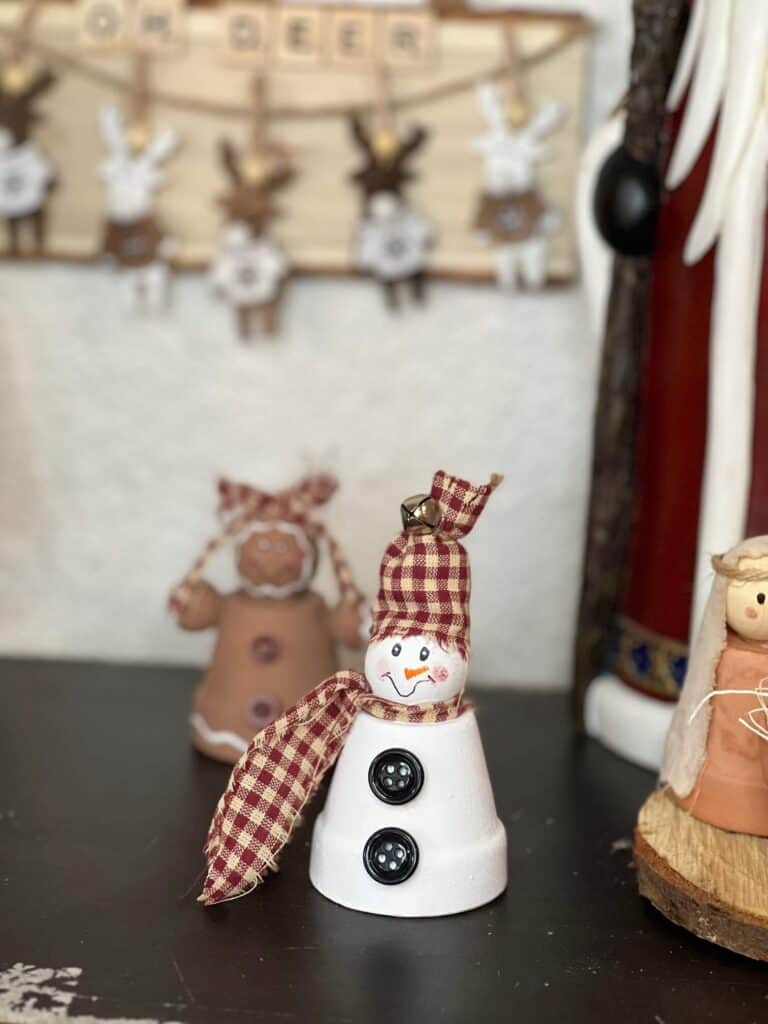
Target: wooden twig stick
x=383 y=105
x=21 y=33
x=259 y=114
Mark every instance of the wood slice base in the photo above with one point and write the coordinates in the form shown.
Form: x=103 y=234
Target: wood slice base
x=711 y=882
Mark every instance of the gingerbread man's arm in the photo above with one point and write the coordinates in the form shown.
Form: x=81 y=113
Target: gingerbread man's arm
x=203 y=608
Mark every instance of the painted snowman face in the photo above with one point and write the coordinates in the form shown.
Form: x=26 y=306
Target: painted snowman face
x=746 y=604
x=414 y=670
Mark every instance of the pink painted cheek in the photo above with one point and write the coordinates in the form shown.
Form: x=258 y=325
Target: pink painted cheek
x=440 y=674
x=382 y=666
x=750 y=612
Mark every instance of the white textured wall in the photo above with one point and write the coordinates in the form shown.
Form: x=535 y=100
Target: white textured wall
x=113 y=430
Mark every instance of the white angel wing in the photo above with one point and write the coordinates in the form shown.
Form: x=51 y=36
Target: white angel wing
x=739 y=264
x=682 y=77
x=595 y=256
x=746 y=69
x=708 y=78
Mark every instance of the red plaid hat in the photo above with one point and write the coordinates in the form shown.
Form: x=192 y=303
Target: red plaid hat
x=240 y=504
x=425 y=576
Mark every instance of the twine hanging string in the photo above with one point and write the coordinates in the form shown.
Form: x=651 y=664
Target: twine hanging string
x=519 y=106
x=383 y=104
x=258 y=132
x=139 y=129
x=417 y=98
x=14 y=71
x=21 y=33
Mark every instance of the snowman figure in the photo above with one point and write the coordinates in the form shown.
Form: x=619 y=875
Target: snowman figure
x=410 y=758
x=511 y=213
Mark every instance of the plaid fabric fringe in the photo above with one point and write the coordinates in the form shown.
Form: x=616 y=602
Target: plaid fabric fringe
x=280 y=772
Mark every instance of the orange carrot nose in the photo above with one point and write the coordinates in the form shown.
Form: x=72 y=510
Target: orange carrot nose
x=411 y=673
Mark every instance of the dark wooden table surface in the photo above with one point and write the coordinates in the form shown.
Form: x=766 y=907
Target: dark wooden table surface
x=103 y=810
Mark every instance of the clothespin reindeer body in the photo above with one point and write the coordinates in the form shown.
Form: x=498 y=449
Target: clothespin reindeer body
x=133 y=234
x=249 y=268
x=511 y=213
x=26 y=173
x=393 y=239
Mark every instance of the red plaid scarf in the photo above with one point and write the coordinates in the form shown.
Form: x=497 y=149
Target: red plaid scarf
x=280 y=772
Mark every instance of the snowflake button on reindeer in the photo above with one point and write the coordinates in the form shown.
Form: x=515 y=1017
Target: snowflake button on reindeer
x=133 y=234
x=511 y=214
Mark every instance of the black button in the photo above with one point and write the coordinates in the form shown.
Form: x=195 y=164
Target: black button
x=390 y=856
x=396 y=776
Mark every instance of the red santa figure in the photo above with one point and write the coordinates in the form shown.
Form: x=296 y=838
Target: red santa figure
x=700 y=457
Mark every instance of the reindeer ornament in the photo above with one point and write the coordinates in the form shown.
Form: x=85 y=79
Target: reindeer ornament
x=250 y=267
x=26 y=174
x=393 y=240
x=133 y=235
x=511 y=214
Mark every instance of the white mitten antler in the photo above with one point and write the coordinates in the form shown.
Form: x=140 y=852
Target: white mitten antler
x=161 y=147
x=113 y=131
x=491 y=107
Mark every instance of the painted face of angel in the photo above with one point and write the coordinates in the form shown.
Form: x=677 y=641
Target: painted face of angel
x=414 y=670
x=746 y=604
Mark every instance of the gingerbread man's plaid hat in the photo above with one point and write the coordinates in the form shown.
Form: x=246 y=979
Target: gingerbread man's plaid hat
x=425 y=576
x=241 y=504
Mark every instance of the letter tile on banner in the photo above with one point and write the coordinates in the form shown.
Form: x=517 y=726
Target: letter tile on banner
x=407 y=40
x=248 y=31
x=300 y=35
x=351 y=38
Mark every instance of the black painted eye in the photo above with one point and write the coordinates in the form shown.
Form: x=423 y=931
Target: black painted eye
x=423 y=654
x=396 y=650
x=761 y=598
